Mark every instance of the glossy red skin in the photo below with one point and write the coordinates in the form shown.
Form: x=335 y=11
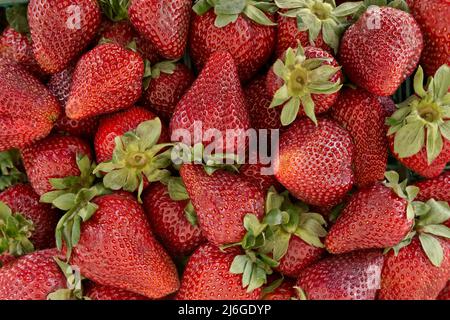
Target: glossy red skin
x=28 y=110
x=363 y=116
x=53 y=157
x=169 y=29
x=250 y=44
x=221 y=202
x=445 y=294
x=5 y=259
x=21 y=198
x=380 y=59
x=169 y=222
x=411 y=276
x=322 y=102
x=165 y=91
x=207 y=277
x=351 y=276
x=114 y=125
x=59 y=85
x=433 y=19
x=285 y=291
x=264 y=181
x=32 y=277
x=437 y=188
x=117 y=249
x=55 y=42
x=298 y=257
x=315 y=163
x=99 y=292
x=216 y=99
x=374 y=217
x=419 y=163
x=106 y=79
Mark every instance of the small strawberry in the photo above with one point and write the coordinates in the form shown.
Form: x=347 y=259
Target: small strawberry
x=100 y=292
x=61 y=30
x=308 y=77
x=106 y=79
x=445 y=293
x=419 y=133
x=352 y=276
x=245 y=29
x=437 y=188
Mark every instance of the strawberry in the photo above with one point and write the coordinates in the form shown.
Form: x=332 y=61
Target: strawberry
x=106 y=79
x=445 y=294
x=352 y=276
x=169 y=29
x=53 y=157
x=100 y=292
x=256 y=173
x=285 y=291
x=244 y=29
x=432 y=17
x=308 y=77
x=28 y=110
x=381 y=49
x=388 y=104
x=419 y=135
x=169 y=82
x=61 y=30
x=216 y=100
x=207 y=277
x=315 y=162
x=166 y=213
x=363 y=116
x=437 y=188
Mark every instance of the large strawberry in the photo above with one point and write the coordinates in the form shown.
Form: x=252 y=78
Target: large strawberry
x=363 y=116
x=207 y=277
x=243 y=28
x=106 y=79
x=61 y=30
x=261 y=174
x=315 y=162
x=27 y=110
x=352 y=276
x=381 y=49
x=99 y=292
x=419 y=132
x=437 y=188
x=169 y=29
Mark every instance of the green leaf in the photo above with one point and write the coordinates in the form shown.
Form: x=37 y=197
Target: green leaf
x=281 y=245
x=223 y=20
x=257 y=15
x=279 y=69
x=434 y=142
x=439 y=213
x=432 y=248
x=290 y=111
x=438 y=230
x=309 y=237
x=347 y=8
x=289 y=4
x=251 y=223
x=177 y=190
x=410 y=139
x=308 y=106
x=17 y=18
x=116 y=179
x=201 y=7
x=190 y=214
x=258 y=278
x=418 y=83
x=280 y=97
x=65 y=201
x=412 y=192
x=238 y=264
x=229 y=6
x=445 y=129
x=330 y=34
x=441 y=81
x=149 y=133
x=273 y=200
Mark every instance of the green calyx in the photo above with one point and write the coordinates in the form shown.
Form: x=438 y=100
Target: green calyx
x=74 y=290
x=423 y=120
x=177 y=192
x=15 y=232
x=228 y=11
x=115 y=10
x=153 y=72
x=302 y=77
x=409 y=193
x=137 y=155
x=317 y=16
x=9 y=174
x=17 y=18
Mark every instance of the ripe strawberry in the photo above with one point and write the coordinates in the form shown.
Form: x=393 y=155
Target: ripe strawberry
x=215 y=100
x=445 y=294
x=285 y=291
x=100 y=292
x=169 y=82
x=433 y=19
x=169 y=29
x=28 y=110
x=315 y=162
x=437 y=188
x=207 y=277
x=363 y=116
x=106 y=79
x=308 y=77
x=258 y=175
x=381 y=49
x=242 y=29
x=388 y=104
x=53 y=157
x=61 y=30
x=168 y=219
x=352 y=276
x=418 y=135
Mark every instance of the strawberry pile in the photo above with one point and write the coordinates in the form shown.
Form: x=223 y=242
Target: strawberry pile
x=95 y=93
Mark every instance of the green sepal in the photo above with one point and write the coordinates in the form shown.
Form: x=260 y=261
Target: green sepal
x=405 y=242
x=190 y=214
x=115 y=10
x=9 y=173
x=273 y=286
x=432 y=248
x=17 y=18
x=74 y=290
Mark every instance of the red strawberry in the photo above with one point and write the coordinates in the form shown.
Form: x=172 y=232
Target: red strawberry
x=215 y=99
x=381 y=49
x=28 y=110
x=61 y=30
x=99 y=292
x=250 y=39
x=106 y=79
x=260 y=177
x=445 y=294
x=168 y=220
x=285 y=291
x=207 y=277
x=388 y=104
x=169 y=29
x=352 y=276
x=418 y=133
x=169 y=82
x=363 y=116
x=315 y=162
x=437 y=188
x=53 y=157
